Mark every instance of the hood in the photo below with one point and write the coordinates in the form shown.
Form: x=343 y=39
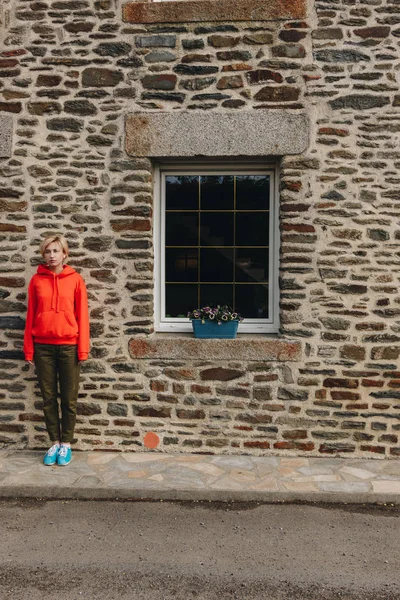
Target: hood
x=44 y=270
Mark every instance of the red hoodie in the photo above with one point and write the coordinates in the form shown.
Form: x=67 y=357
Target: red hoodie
x=57 y=311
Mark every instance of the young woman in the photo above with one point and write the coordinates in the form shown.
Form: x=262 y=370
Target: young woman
x=57 y=340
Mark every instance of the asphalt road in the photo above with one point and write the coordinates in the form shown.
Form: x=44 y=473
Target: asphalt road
x=71 y=550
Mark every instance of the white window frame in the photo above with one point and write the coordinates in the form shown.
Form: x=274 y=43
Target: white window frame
x=177 y=325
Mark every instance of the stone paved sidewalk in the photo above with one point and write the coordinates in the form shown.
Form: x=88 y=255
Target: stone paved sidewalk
x=200 y=477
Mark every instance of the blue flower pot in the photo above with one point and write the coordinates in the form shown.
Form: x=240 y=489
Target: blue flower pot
x=211 y=329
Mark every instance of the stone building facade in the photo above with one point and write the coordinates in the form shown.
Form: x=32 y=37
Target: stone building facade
x=93 y=97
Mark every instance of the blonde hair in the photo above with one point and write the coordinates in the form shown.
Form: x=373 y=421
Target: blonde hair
x=59 y=239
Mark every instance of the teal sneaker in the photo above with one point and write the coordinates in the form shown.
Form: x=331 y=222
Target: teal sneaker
x=50 y=458
x=64 y=456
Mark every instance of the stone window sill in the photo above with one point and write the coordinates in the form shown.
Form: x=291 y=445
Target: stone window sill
x=246 y=347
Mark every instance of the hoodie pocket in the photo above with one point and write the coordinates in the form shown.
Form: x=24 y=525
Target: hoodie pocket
x=70 y=318
x=52 y=324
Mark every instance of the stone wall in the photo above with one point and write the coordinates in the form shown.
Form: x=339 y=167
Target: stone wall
x=71 y=72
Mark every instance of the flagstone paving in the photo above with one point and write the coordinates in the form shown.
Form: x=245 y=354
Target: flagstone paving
x=200 y=477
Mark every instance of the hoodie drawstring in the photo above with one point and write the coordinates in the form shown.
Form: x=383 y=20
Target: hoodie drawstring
x=55 y=299
x=58 y=297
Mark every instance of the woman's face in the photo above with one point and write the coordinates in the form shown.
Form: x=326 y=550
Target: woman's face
x=54 y=256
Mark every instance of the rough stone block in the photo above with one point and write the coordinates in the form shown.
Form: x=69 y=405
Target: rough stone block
x=338 y=56
x=373 y=32
x=96 y=77
x=201 y=11
x=284 y=93
x=6 y=131
x=332 y=382
x=223 y=41
x=164 y=81
x=220 y=374
x=230 y=83
x=190 y=414
x=155 y=41
x=359 y=102
x=352 y=352
x=262 y=133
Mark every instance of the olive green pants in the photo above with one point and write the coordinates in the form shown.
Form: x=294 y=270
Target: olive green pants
x=58 y=365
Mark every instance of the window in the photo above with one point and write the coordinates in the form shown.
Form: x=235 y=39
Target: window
x=216 y=240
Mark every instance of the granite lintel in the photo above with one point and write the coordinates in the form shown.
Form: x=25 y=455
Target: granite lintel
x=246 y=348
x=202 y=11
x=195 y=134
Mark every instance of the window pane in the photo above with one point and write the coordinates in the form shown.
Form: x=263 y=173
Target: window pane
x=179 y=299
x=216 y=264
x=252 y=301
x=182 y=229
x=252 y=264
x=216 y=294
x=252 y=192
x=252 y=229
x=216 y=192
x=216 y=229
x=181 y=264
x=182 y=192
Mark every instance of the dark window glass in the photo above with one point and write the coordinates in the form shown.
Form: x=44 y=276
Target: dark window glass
x=216 y=264
x=252 y=300
x=181 y=264
x=180 y=298
x=252 y=192
x=216 y=229
x=251 y=264
x=216 y=294
x=182 y=192
x=217 y=243
x=216 y=192
x=252 y=229
x=182 y=229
